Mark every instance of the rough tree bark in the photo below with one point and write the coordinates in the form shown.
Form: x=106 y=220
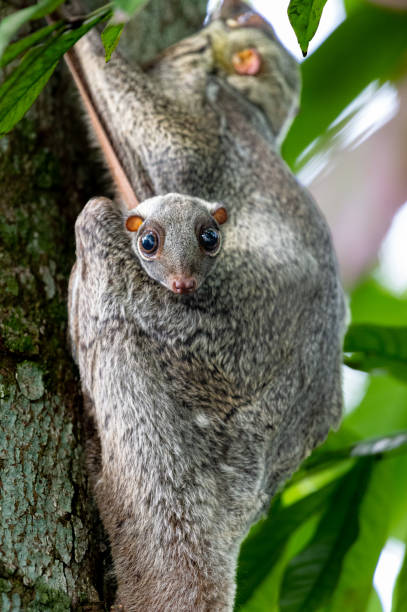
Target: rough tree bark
x=53 y=553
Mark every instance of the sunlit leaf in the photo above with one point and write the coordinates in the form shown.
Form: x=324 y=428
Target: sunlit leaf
x=377 y=347
x=304 y=16
x=262 y=549
x=377 y=513
x=22 y=87
x=22 y=45
x=267 y=595
x=382 y=410
x=372 y=303
x=12 y=23
x=400 y=591
x=110 y=38
x=322 y=460
x=265 y=557
x=312 y=576
x=351 y=5
x=22 y=97
x=374 y=605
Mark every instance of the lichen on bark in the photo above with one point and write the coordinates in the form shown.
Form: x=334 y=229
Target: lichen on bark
x=48 y=550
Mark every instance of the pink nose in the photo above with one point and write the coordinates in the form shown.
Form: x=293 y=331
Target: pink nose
x=183 y=285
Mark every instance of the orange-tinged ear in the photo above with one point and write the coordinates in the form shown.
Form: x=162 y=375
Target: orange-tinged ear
x=133 y=223
x=220 y=214
x=247 y=62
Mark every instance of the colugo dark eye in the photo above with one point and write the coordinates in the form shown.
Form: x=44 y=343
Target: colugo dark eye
x=149 y=242
x=209 y=239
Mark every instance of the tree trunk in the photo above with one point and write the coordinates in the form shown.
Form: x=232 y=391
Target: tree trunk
x=53 y=553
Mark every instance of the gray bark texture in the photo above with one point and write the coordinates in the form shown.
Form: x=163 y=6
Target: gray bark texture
x=53 y=552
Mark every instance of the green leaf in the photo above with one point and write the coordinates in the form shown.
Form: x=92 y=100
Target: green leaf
x=351 y=5
x=22 y=87
x=265 y=559
x=304 y=16
x=377 y=347
x=382 y=411
x=23 y=97
x=312 y=576
x=267 y=540
x=110 y=38
x=383 y=501
x=266 y=597
x=372 y=303
x=12 y=23
x=368 y=46
x=374 y=605
x=22 y=45
x=323 y=460
x=400 y=591
x=129 y=7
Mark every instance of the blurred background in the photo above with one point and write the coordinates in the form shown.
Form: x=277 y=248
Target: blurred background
x=349 y=146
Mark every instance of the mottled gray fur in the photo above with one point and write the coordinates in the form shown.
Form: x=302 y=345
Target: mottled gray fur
x=177 y=221
x=204 y=403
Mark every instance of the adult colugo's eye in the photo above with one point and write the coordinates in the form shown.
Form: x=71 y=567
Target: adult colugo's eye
x=149 y=242
x=209 y=239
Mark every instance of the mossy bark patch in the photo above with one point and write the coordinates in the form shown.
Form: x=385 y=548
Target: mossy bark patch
x=50 y=558
x=13 y=598
x=41 y=475
x=30 y=380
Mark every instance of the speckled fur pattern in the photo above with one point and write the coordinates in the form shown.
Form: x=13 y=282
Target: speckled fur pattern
x=177 y=220
x=204 y=403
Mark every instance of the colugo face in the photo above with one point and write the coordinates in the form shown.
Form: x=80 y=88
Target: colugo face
x=177 y=239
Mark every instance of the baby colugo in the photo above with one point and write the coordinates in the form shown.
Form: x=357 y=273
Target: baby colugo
x=177 y=239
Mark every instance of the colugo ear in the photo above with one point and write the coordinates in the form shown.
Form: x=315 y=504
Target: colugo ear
x=220 y=214
x=133 y=222
x=247 y=61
